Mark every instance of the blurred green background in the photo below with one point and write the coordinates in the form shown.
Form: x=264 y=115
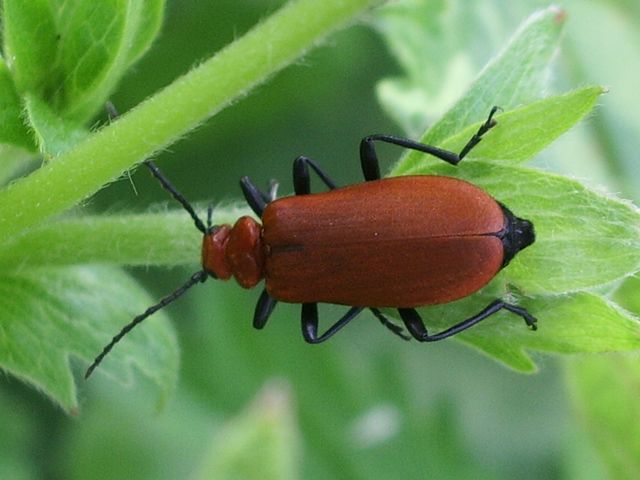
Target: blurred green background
x=362 y=405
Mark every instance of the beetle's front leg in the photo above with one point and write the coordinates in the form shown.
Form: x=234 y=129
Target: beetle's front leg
x=416 y=328
x=301 y=177
x=309 y=318
x=256 y=199
x=264 y=307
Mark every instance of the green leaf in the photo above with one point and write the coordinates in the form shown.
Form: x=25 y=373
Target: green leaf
x=54 y=134
x=70 y=54
x=516 y=76
x=627 y=294
x=98 y=42
x=149 y=15
x=425 y=38
x=13 y=131
x=605 y=391
x=30 y=39
x=260 y=444
x=50 y=315
x=572 y=222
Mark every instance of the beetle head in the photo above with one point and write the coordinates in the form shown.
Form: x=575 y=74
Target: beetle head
x=517 y=235
x=522 y=233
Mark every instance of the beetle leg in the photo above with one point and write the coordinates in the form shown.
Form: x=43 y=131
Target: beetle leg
x=254 y=197
x=415 y=325
x=310 y=322
x=484 y=128
x=397 y=329
x=264 y=307
x=369 y=158
x=301 y=178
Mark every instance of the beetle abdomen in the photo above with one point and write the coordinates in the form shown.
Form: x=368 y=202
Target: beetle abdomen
x=399 y=242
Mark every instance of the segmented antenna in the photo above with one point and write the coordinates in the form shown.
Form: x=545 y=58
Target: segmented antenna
x=166 y=184
x=198 y=277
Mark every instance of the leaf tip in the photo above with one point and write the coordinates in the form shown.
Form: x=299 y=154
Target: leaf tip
x=559 y=14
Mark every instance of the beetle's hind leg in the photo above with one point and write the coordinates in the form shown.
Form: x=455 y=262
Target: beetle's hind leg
x=416 y=328
x=309 y=317
x=369 y=158
x=396 y=329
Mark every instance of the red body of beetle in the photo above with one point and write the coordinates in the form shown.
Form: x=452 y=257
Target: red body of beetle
x=396 y=242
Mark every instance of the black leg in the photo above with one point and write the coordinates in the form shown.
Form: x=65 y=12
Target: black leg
x=264 y=307
x=369 y=158
x=301 y=179
x=310 y=322
x=254 y=197
x=397 y=329
x=416 y=328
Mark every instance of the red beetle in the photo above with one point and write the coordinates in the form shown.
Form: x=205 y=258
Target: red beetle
x=398 y=242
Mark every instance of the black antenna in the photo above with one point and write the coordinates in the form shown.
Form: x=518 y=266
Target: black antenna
x=198 y=277
x=113 y=114
x=166 y=184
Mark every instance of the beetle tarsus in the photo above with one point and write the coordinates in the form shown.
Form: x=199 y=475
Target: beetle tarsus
x=396 y=329
x=484 y=128
x=415 y=325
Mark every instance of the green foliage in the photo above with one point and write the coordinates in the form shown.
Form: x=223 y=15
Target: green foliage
x=266 y=433
x=606 y=394
x=572 y=222
x=71 y=54
x=52 y=315
x=13 y=131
